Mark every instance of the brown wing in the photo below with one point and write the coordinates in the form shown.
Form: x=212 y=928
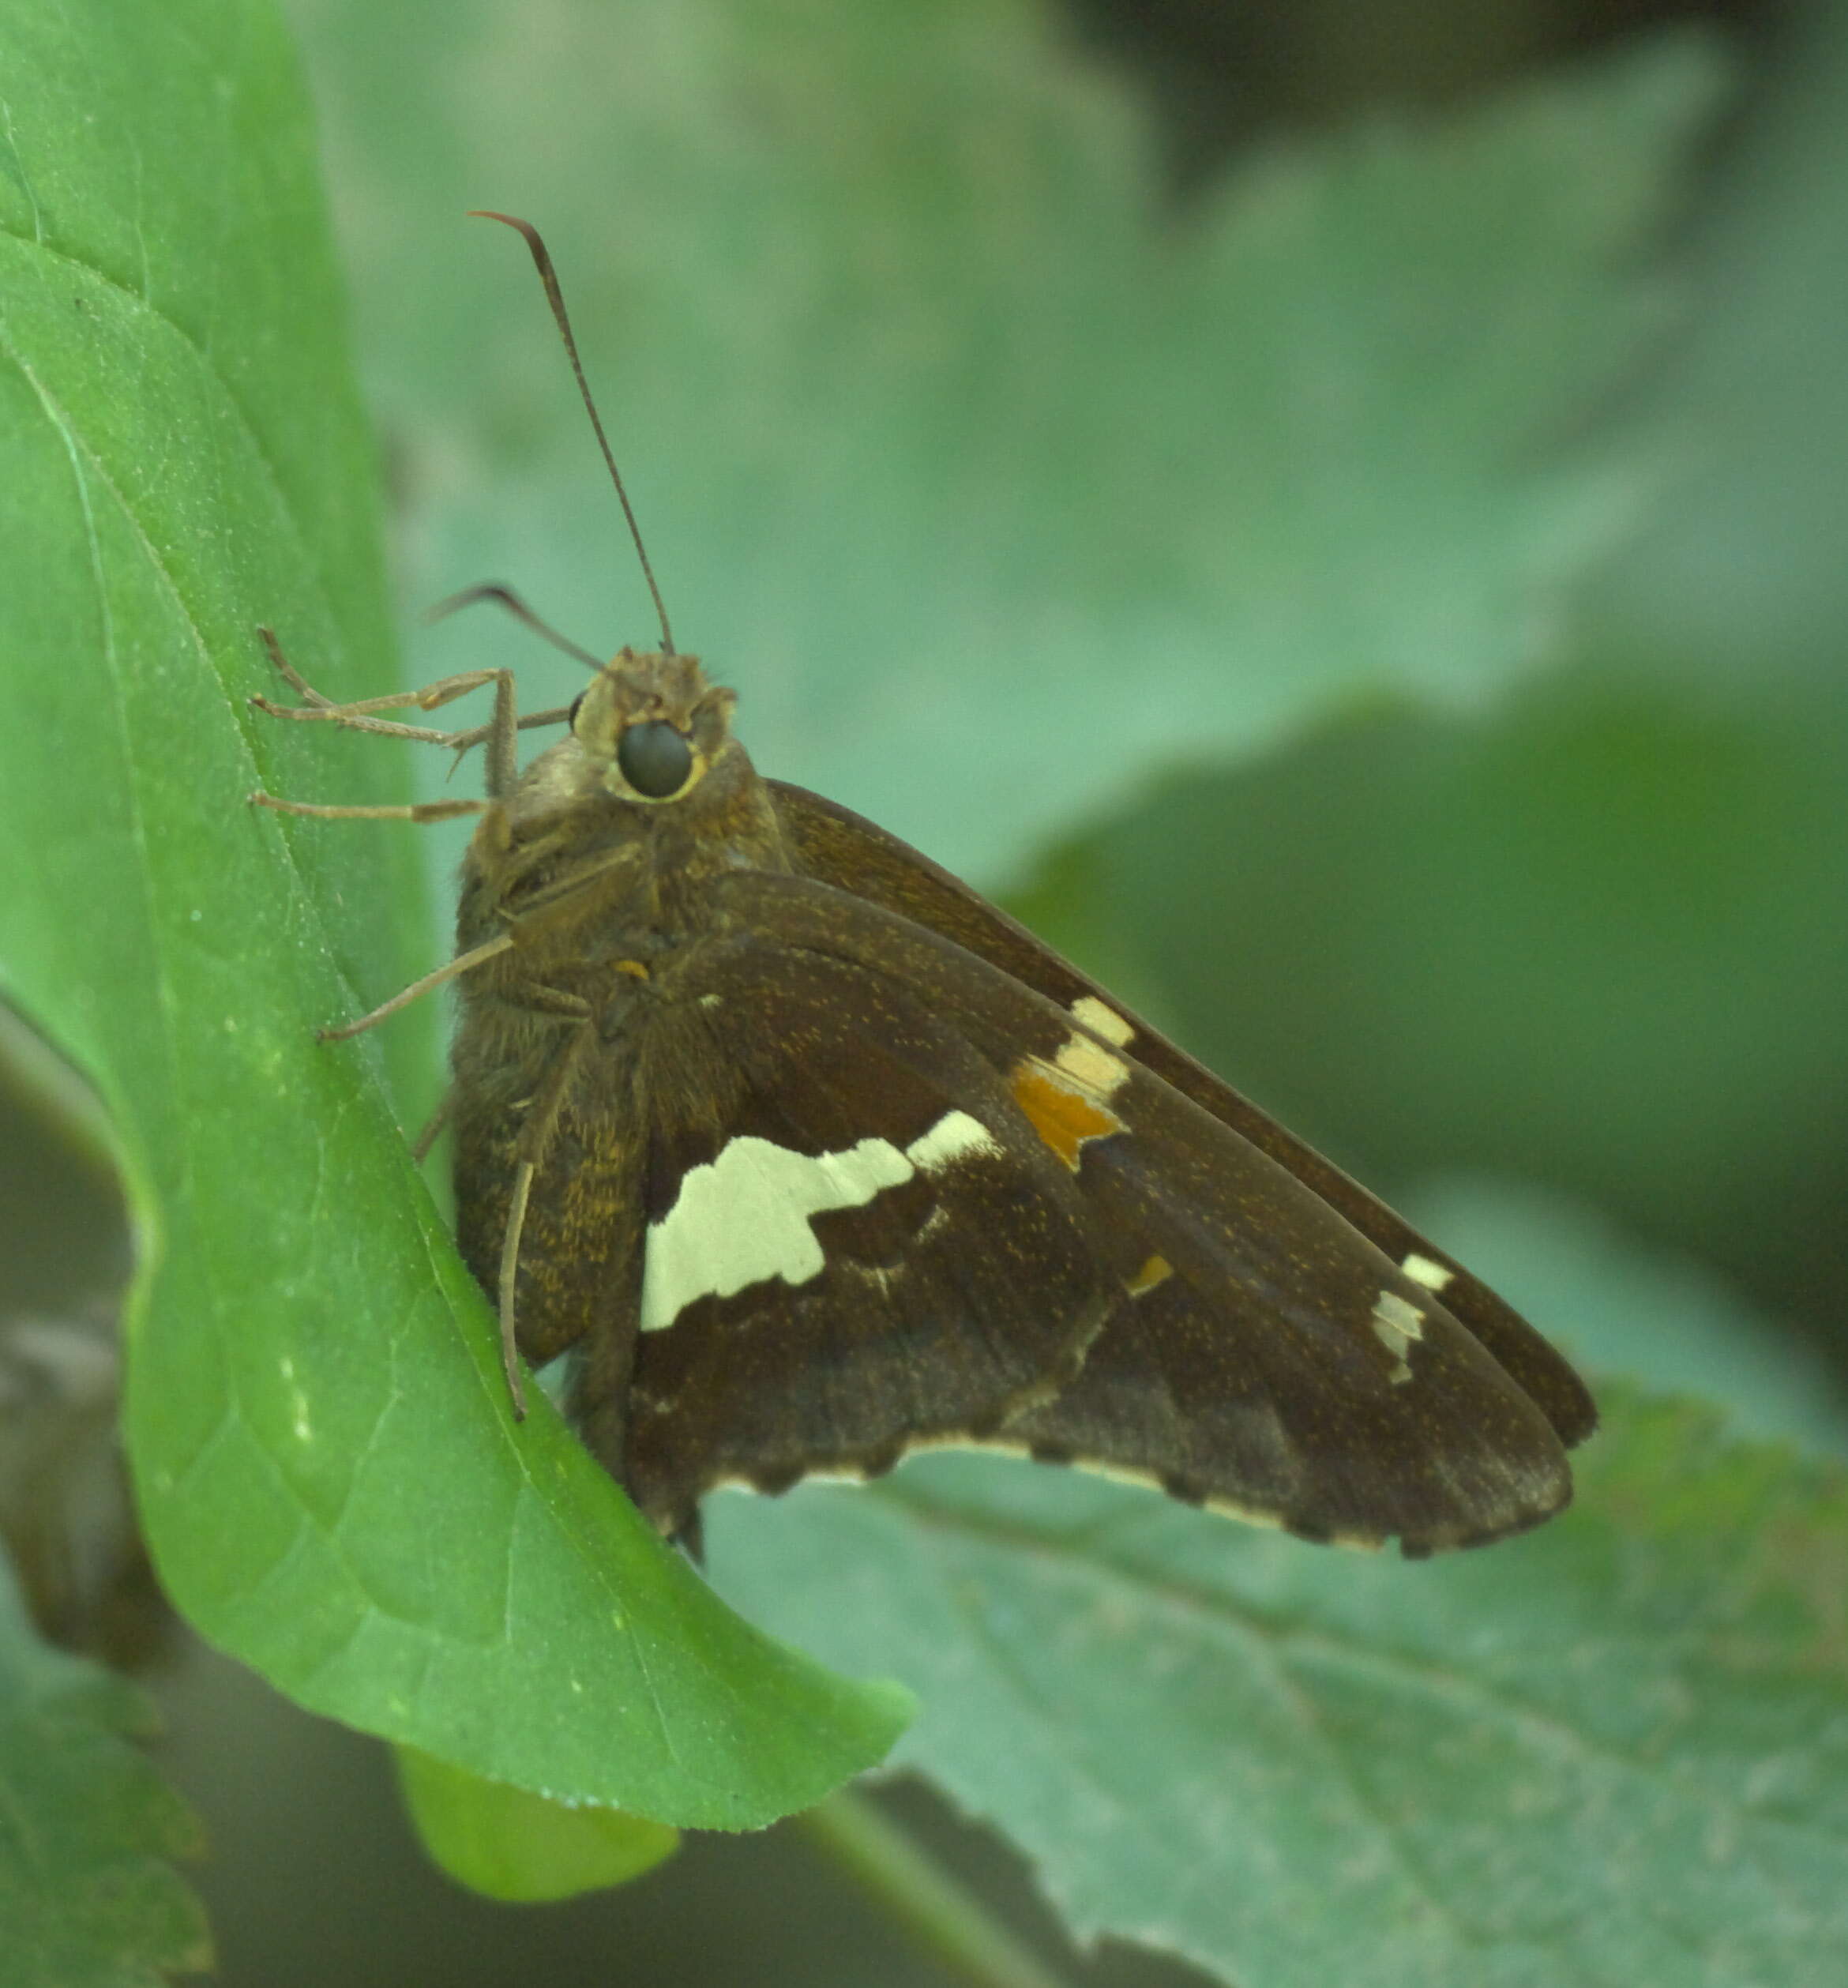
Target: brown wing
x=1259 y=1353
x=810 y=1300
x=843 y=848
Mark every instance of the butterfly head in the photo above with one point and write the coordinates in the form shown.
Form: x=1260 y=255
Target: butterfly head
x=652 y=726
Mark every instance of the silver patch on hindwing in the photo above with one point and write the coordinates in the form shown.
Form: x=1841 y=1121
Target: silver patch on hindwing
x=745 y=1217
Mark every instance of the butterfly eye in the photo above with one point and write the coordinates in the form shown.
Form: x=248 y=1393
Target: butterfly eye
x=577 y=706
x=654 y=759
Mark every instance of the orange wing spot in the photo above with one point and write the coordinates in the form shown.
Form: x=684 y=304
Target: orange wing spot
x=1156 y=1270
x=1064 y=1116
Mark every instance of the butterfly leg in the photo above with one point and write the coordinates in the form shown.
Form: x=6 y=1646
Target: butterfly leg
x=433 y=1127
x=535 y=1135
x=359 y=717
x=361 y=714
x=411 y=811
x=462 y=963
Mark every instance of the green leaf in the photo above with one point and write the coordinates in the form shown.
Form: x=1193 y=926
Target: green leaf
x=1650 y=1316
x=89 y=1894
x=994 y=483
x=326 y=1468
x=519 y=1848
x=1739 y=579
x=1613 y=1751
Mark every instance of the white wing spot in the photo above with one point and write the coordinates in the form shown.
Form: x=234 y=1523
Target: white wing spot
x=1422 y=1270
x=1396 y=1323
x=744 y=1217
x=1103 y=1020
x=1090 y=1066
x=954 y=1136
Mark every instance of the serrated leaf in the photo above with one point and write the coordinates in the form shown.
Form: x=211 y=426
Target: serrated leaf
x=1611 y=1752
x=89 y=1894
x=988 y=478
x=331 y=1484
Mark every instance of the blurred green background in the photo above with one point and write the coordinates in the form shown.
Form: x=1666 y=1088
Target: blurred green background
x=1338 y=513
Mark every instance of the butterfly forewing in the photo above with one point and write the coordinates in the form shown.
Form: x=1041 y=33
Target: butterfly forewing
x=1272 y=1362
x=1260 y=1352
x=842 y=848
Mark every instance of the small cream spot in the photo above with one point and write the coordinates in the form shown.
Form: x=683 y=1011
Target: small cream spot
x=954 y=1136
x=1396 y=1323
x=1101 y=1019
x=1398 y=1315
x=1090 y=1066
x=1155 y=1270
x=1422 y=1270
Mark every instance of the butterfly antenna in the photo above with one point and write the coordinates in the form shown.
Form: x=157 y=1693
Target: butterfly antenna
x=506 y=597
x=555 y=297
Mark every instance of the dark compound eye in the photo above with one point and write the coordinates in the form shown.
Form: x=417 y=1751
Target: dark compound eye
x=577 y=706
x=655 y=760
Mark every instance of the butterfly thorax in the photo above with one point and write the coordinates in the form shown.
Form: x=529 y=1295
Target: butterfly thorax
x=600 y=864
x=603 y=857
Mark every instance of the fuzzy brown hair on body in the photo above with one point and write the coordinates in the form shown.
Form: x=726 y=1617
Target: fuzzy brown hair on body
x=800 y=1155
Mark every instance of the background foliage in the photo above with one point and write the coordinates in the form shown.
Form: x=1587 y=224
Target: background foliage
x=1361 y=566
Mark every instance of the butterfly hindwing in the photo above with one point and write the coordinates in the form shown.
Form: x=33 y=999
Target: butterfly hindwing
x=866 y=1247
x=1260 y=1353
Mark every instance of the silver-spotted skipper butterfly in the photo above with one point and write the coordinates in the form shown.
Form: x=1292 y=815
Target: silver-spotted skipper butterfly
x=807 y=1157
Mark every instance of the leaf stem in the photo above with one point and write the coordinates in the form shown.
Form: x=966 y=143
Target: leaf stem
x=942 y=1915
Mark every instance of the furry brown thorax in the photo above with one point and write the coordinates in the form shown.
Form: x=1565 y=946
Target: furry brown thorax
x=578 y=845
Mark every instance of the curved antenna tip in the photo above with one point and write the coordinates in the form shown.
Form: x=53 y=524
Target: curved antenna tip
x=554 y=296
